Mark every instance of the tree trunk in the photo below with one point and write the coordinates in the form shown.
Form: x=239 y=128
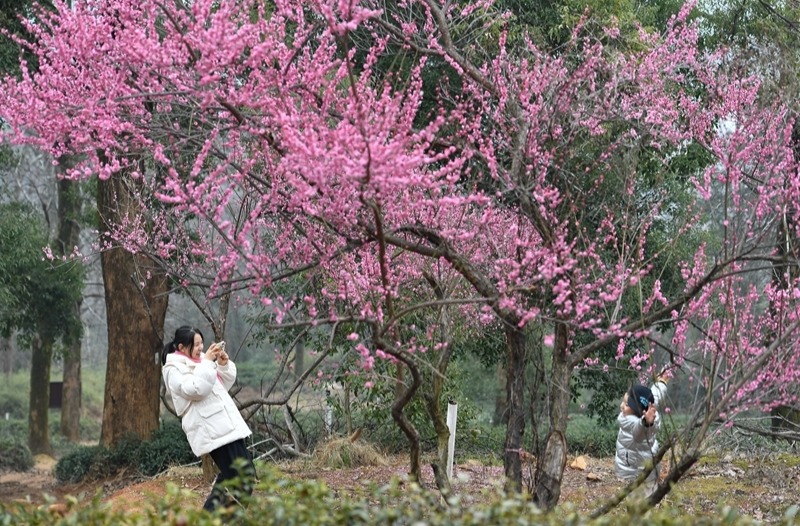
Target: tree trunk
x=38 y=433
x=433 y=396
x=785 y=418
x=515 y=394
x=551 y=465
x=299 y=358
x=501 y=399
x=71 y=394
x=69 y=229
x=7 y=352
x=403 y=396
x=210 y=469
x=432 y=399
x=136 y=304
x=348 y=415
x=537 y=386
x=783 y=274
x=442 y=437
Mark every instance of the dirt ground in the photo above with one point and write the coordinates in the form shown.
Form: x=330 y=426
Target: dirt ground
x=762 y=487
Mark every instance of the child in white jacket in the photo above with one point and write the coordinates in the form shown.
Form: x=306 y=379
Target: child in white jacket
x=639 y=423
x=198 y=383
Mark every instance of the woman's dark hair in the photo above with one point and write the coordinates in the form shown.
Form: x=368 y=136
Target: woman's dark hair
x=183 y=336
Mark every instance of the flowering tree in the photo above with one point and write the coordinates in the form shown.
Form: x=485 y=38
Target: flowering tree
x=308 y=139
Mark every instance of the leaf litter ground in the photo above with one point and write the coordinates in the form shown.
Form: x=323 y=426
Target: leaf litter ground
x=760 y=486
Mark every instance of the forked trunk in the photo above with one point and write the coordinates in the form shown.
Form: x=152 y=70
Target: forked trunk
x=551 y=465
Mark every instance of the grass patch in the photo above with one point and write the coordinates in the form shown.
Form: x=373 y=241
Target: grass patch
x=340 y=453
x=785 y=460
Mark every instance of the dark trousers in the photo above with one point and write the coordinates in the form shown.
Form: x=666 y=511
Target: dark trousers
x=226 y=457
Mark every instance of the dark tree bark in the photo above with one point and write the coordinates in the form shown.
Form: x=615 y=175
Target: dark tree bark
x=515 y=394
x=71 y=392
x=7 y=354
x=69 y=229
x=501 y=398
x=136 y=304
x=299 y=358
x=38 y=416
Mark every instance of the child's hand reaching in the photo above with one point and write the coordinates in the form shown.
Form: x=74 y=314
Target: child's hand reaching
x=650 y=415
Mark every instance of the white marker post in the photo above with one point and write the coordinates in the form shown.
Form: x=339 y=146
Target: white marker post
x=328 y=413
x=452 y=416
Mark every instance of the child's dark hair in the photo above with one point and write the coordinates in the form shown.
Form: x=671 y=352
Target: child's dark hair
x=184 y=336
x=640 y=398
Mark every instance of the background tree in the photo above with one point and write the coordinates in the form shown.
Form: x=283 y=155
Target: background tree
x=37 y=301
x=69 y=204
x=70 y=215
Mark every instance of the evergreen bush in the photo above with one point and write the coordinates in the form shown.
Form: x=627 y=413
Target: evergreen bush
x=167 y=447
x=73 y=467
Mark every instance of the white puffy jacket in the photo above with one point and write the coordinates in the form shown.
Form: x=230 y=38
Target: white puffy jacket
x=636 y=443
x=199 y=390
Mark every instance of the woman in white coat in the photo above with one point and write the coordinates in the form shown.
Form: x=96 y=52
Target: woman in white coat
x=198 y=383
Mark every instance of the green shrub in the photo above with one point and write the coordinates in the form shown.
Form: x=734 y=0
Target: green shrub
x=15 y=455
x=90 y=462
x=74 y=466
x=110 y=461
x=167 y=446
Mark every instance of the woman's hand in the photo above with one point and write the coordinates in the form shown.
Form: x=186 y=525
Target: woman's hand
x=213 y=352
x=223 y=357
